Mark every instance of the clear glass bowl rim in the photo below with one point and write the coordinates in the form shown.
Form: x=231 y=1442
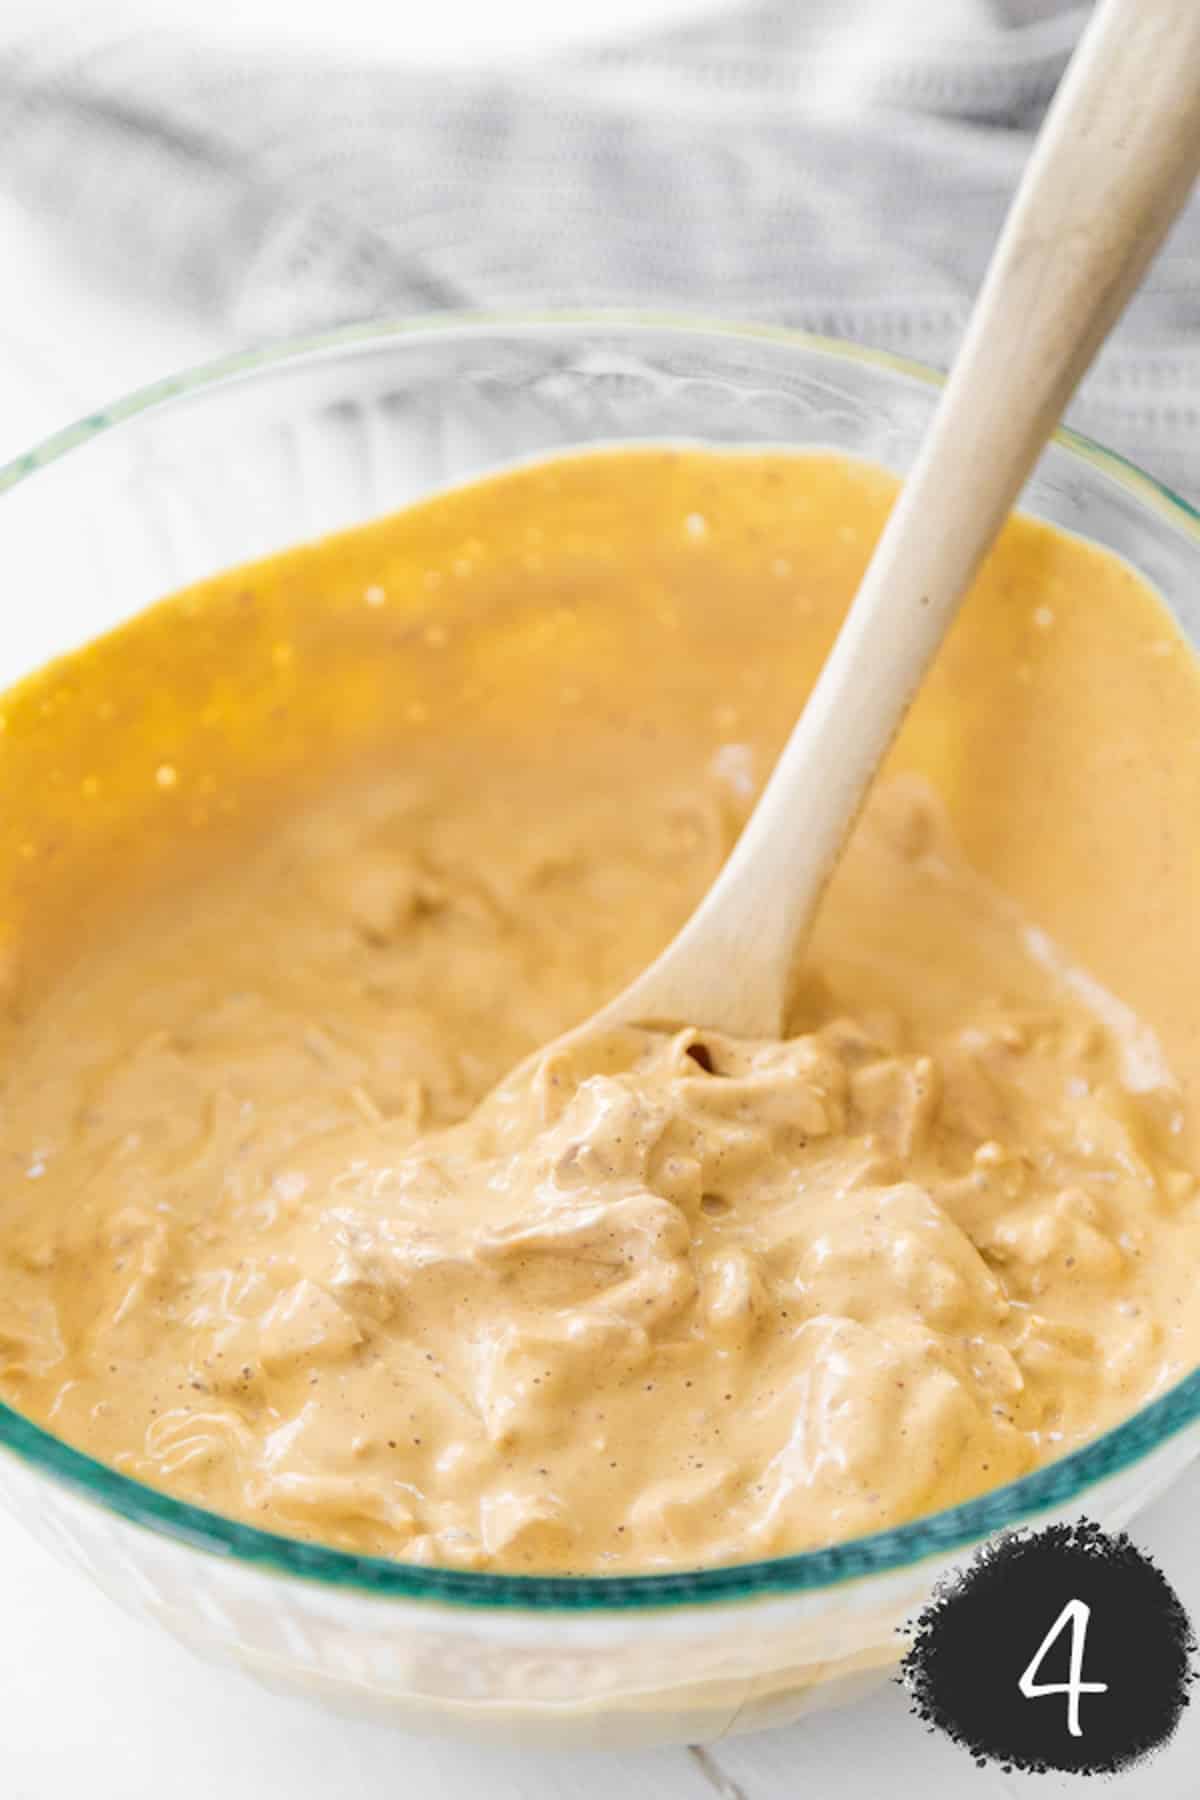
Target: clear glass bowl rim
x=1054 y=1486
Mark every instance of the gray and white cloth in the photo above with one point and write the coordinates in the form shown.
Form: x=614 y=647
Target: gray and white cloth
x=842 y=165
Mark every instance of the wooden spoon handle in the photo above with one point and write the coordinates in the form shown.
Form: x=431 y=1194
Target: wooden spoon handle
x=1113 y=165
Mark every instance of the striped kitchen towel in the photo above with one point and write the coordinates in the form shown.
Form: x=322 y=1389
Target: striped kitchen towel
x=836 y=164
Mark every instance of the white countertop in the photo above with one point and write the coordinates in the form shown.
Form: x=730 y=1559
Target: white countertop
x=93 y=1703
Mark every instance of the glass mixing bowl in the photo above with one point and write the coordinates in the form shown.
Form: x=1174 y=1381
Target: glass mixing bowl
x=257 y=452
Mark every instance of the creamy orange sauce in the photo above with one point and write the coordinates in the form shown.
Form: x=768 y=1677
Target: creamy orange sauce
x=301 y=865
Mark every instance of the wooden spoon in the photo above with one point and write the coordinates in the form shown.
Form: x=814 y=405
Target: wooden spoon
x=1115 y=160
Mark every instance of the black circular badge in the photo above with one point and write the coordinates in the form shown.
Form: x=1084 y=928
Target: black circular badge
x=1057 y=1649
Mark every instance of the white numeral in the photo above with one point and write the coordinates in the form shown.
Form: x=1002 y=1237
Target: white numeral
x=1076 y=1614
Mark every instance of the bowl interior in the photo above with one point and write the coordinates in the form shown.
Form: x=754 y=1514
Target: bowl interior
x=263 y=451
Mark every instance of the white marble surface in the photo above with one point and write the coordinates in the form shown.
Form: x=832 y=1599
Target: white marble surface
x=93 y=1703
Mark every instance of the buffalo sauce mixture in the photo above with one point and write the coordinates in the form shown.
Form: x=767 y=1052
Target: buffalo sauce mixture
x=302 y=872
